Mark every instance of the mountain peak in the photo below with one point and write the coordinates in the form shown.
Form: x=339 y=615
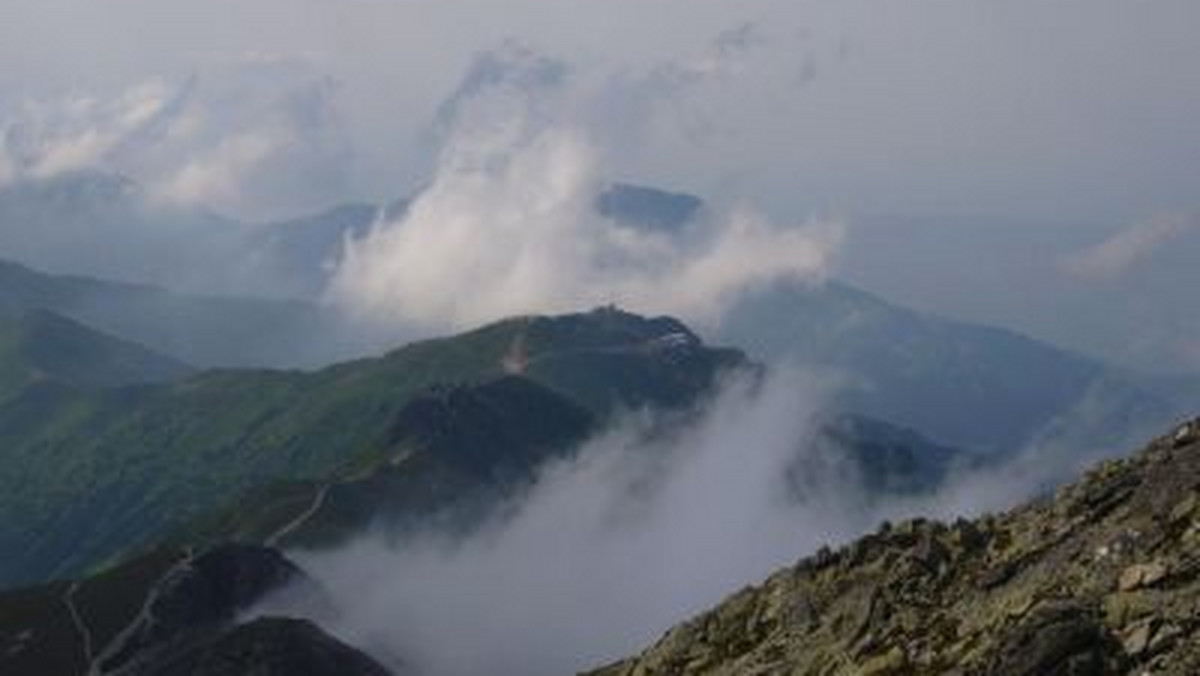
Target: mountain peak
x=647 y=208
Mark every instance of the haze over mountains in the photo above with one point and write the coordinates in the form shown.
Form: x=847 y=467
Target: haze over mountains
x=444 y=339
x=461 y=459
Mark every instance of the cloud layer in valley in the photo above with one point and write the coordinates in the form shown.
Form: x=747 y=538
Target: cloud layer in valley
x=639 y=531
x=603 y=552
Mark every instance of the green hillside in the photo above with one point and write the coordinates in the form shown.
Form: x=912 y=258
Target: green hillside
x=94 y=475
x=461 y=449
x=40 y=346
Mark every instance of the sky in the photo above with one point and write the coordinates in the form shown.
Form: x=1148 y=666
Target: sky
x=996 y=160
x=1027 y=107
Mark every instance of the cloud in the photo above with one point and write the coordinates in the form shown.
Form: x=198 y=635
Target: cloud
x=1127 y=248
x=508 y=224
x=646 y=525
x=216 y=176
x=511 y=70
x=8 y=170
x=47 y=139
x=255 y=137
x=158 y=182
x=604 y=552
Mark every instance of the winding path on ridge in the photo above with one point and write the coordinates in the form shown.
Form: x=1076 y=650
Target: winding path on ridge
x=301 y=519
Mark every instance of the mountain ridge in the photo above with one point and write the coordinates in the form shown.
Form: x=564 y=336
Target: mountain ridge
x=141 y=460
x=38 y=345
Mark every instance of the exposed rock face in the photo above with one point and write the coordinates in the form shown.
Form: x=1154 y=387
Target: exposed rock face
x=1102 y=579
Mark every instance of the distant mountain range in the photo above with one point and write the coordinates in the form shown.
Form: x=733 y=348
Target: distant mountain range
x=202 y=331
x=965 y=384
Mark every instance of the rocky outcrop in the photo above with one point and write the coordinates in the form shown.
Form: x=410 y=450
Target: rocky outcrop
x=1102 y=578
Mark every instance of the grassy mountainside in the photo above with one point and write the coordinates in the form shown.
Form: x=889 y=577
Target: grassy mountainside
x=40 y=346
x=1102 y=579
x=466 y=448
x=93 y=475
x=463 y=447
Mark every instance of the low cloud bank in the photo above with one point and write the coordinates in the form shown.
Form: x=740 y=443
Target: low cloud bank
x=636 y=533
x=602 y=553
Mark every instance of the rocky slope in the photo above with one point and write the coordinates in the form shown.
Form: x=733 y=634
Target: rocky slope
x=1102 y=578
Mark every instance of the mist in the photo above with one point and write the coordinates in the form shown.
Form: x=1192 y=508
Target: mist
x=509 y=225
x=640 y=529
x=604 y=551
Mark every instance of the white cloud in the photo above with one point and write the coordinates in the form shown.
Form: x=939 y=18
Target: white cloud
x=215 y=177
x=48 y=138
x=508 y=226
x=1127 y=248
x=640 y=530
x=254 y=137
x=514 y=231
x=604 y=552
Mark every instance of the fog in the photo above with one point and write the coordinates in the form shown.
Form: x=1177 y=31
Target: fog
x=639 y=530
x=604 y=552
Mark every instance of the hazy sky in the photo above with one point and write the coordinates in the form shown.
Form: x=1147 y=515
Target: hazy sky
x=1031 y=163
x=1033 y=107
